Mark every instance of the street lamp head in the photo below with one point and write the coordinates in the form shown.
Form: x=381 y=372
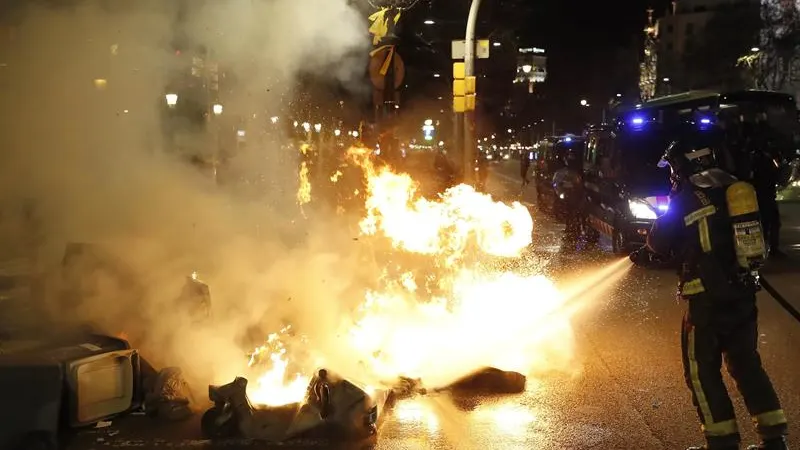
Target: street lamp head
x=436 y=75
x=666 y=80
x=317 y=127
x=755 y=49
x=216 y=109
x=337 y=132
x=619 y=95
x=307 y=126
x=527 y=68
x=584 y=102
x=429 y=22
x=274 y=119
x=172 y=99
x=497 y=44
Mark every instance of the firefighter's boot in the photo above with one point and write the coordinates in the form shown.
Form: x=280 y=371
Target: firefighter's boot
x=771 y=444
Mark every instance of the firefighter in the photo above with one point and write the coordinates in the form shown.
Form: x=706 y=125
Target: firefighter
x=713 y=229
x=568 y=185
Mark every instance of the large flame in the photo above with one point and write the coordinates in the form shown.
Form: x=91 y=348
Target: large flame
x=463 y=312
x=276 y=384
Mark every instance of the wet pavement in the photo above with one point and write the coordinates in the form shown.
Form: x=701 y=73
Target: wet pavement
x=626 y=389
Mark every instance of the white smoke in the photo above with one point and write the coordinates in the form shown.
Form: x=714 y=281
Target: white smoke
x=89 y=155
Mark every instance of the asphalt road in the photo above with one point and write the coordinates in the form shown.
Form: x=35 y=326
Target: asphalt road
x=626 y=390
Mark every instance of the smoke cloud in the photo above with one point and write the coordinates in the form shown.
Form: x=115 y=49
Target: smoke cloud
x=88 y=155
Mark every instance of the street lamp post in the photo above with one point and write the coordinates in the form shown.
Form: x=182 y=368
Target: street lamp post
x=469 y=116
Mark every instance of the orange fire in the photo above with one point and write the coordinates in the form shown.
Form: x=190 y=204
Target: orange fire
x=465 y=313
x=276 y=385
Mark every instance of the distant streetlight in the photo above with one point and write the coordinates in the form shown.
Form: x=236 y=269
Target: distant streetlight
x=317 y=127
x=755 y=49
x=429 y=22
x=584 y=102
x=436 y=75
x=274 y=119
x=337 y=132
x=307 y=126
x=496 y=44
x=355 y=134
x=510 y=131
x=665 y=80
x=619 y=95
x=527 y=68
x=172 y=99
x=216 y=109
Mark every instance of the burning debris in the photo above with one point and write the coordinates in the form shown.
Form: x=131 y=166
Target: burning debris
x=278 y=384
x=331 y=407
x=461 y=323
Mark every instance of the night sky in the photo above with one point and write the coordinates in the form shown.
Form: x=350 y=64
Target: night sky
x=582 y=37
x=593 y=48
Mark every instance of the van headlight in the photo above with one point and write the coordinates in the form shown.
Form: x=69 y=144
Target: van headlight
x=641 y=210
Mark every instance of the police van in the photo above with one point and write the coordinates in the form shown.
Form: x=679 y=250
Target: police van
x=625 y=189
x=549 y=159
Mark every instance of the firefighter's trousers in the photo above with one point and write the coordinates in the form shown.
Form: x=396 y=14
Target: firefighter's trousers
x=715 y=329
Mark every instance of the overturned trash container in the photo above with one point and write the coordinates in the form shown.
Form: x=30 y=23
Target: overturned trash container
x=334 y=408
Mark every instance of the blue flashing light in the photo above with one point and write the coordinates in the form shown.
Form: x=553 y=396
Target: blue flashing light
x=637 y=122
x=705 y=121
x=567 y=139
x=663 y=208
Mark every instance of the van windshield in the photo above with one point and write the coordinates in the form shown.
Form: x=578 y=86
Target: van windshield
x=640 y=153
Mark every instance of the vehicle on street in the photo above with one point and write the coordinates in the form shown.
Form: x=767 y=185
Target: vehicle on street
x=549 y=160
x=625 y=190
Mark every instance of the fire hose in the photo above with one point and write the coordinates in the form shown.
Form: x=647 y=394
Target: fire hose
x=780 y=299
x=645 y=258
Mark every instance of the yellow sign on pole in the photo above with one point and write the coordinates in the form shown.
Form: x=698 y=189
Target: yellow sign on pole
x=469 y=104
x=459 y=104
x=459 y=71
x=459 y=88
x=469 y=85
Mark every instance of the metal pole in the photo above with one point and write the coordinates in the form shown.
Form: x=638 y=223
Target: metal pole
x=469 y=116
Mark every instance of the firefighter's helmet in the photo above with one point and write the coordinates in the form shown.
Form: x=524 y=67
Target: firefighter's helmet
x=692 y=153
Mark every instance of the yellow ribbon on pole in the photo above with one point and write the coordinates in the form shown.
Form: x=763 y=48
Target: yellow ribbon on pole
x=380 y=25
x=387 y=61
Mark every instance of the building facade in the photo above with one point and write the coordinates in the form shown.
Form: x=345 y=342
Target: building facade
x=682 y=30
x=648 y=68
